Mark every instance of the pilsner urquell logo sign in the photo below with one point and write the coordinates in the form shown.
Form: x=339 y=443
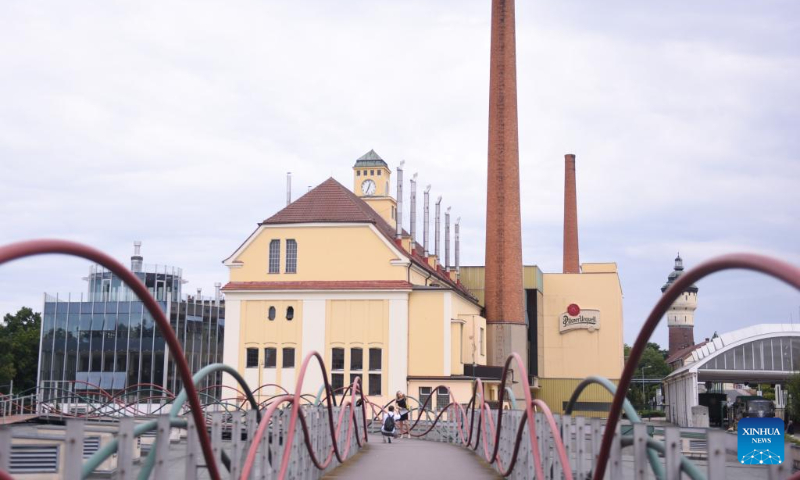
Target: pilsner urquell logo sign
x=760 y=441
x=575 y=318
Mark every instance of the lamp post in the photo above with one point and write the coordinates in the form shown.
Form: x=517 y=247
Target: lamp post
x=644 y=400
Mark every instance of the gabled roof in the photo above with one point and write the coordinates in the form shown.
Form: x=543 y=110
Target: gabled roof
x=332 y=202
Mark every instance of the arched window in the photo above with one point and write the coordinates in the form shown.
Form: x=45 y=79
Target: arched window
x=274 y=256
x=271 y=314
x=291 y=256
x=289 y=313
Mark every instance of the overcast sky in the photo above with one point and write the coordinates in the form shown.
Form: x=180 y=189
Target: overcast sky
x=175 y=123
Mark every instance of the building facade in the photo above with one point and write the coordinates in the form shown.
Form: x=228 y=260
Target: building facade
x=574 y=329
x=106 y=341
x=333 y=273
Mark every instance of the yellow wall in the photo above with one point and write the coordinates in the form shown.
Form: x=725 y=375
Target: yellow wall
x=608 y=267
x=580 y=353
x=462 y=389
x=257 y=331
x=556 y=391
x=469 y=313
x=384 y=206
x=358 y=324
x=458 y=338
x=323 y=253
x=474 y=279
x=383 y=183
x=426 y=333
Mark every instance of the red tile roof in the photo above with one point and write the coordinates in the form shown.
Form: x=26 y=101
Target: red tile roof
x=332 y=202
x=682 y=353
x=321 y=285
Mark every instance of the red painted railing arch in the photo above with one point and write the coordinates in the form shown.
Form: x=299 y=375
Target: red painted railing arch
x=31 y=248
x=758 y=263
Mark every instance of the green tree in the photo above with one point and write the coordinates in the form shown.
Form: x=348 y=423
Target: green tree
x=793 y=387
x=654 y=365
x=19 y=348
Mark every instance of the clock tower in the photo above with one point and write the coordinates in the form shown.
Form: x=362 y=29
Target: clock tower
x=371 y=177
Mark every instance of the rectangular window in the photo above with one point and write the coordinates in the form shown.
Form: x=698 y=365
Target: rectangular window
x=274 y=256
x=271 y=357
x=374 y=381
x=252 y=357
x=288 y=357
x=356 y=359
x=442 y=398
x=358 y=173
x=337 y=382
x=372 y=172
x=424 y=395
x=353 y=379
x=483 y=347
x=379 y=173
x=337 y=359
x=374 y=359
x=291 y=256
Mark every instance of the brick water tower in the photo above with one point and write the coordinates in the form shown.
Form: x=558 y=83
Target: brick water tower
x=680 y=316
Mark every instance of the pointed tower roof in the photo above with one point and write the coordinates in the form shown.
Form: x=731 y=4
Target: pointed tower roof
x=677 y=272
x=370 y=159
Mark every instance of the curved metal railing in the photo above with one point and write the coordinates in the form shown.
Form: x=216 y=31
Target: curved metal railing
x=474 y=422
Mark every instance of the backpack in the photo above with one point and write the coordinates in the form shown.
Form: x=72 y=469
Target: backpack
x=388 y=424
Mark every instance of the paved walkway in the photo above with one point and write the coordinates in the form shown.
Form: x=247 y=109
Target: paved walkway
x=410 y=458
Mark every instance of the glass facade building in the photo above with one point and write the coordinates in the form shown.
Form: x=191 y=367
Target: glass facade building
x=106 y=340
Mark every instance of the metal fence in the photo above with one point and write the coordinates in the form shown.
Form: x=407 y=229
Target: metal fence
x=677 y=452
x=173 y=441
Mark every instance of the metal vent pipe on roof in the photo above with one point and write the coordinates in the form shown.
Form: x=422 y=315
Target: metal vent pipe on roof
x=400 y=199
x=447 y=239
x=413 y=213
x=136 y=259
x=437 y=228
x=458 y=263
x=217 y=293
x=426 y=220
x=288 y=188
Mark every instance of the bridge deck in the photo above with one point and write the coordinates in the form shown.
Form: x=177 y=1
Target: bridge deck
x=17 y=418
x=410 y=458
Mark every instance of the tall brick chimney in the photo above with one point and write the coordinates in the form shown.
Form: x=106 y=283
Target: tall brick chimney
x=505 y=310
x=571 y=258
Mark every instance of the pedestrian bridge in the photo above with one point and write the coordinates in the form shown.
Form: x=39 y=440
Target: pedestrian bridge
x=337 y=436
x=294 y=436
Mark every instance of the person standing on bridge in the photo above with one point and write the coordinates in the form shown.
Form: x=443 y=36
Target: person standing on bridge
x=402 y=407
x=388 y=424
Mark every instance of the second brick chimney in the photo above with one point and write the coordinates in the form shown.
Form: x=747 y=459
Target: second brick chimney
x=571 y=258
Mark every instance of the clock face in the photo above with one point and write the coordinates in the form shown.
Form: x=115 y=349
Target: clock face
x=368 y=187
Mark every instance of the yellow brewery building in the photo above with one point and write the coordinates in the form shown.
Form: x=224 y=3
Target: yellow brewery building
x=335 y=272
